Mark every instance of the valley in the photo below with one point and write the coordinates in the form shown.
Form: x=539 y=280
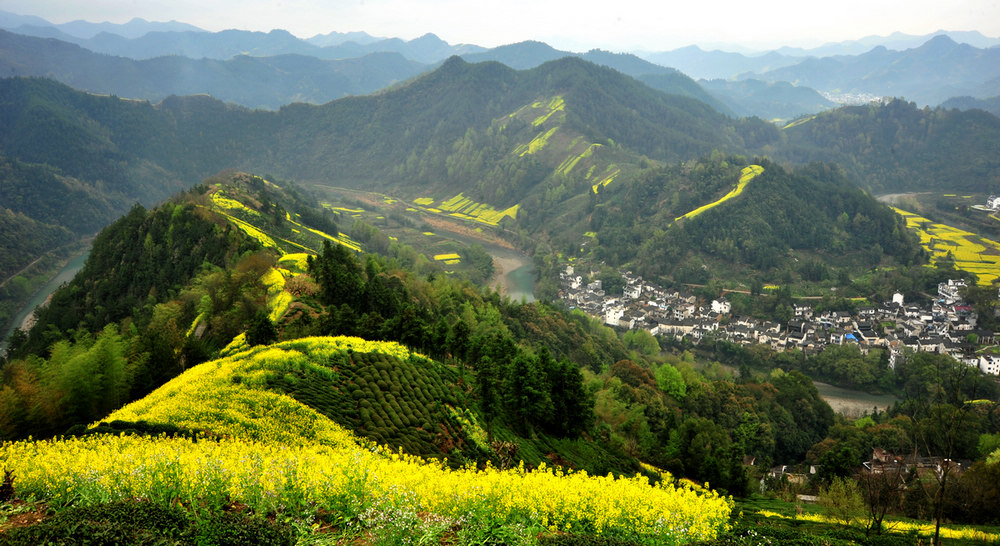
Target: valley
x=23 y=318
x=513 y=271
x=363 y=290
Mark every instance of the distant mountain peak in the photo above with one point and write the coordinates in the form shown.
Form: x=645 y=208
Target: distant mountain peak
x=941 y=39
x=430 y=36
x=452 y=64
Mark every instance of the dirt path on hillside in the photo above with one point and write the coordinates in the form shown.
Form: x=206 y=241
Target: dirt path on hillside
x=896 y=198
x=23 y=269
x=466 y=231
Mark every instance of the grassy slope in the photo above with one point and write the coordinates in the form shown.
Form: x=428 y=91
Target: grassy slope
x=280 y=456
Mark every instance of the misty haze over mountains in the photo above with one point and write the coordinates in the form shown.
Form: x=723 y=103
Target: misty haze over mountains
x=152 y=60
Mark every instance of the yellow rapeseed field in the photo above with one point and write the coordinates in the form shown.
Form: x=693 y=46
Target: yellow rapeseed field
x=278 y=456
x=971 y=253
x=903 y=527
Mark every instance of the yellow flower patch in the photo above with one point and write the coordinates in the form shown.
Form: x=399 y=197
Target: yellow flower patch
x=971 y=253
x=746 y=175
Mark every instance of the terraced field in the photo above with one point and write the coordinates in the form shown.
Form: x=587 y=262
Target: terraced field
x=971 y=252
x=281 y=424
x=464 y=208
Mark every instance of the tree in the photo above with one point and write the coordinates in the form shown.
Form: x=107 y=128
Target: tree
x=526 y=395
x=881 y=490
x=842 y=500
x=458 y=340
x=572 y=406
x=487 y=389
x=670 y=381
x=642 y=341
x=262 y=330
x=339 y=275
x=943 y=428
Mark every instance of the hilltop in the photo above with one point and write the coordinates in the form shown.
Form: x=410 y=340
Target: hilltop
x=276 y=456
x=895 y=146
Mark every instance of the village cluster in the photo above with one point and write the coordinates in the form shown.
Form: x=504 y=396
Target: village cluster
x=946 y=326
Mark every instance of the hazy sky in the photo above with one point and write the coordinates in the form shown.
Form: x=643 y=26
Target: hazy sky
x=618 y=25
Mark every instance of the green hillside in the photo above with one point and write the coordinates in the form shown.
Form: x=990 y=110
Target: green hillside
x=456 y=131
x=276 y=457
x=277 y=355
x=719 y=218
x=530 y=374
x=897 y=147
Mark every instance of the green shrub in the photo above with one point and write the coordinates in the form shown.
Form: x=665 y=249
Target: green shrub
x=581 y=540
x=238 y=529
x=112 y=523
x=143 y=522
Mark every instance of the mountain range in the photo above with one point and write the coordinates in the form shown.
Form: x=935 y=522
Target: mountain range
x=256 y=82
x=732 y=62
x=544 y=140
x=942 y=65
x=929 y=74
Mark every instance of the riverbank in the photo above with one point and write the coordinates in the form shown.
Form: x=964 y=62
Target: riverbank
x=853 y=403
x=513 y=271
x=25 y=318
x=514 y=277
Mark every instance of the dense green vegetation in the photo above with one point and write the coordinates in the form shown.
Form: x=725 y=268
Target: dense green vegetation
x=782 y=222
x=896 y=146
x=24 y=240
x=532 y=373
x=142 y=522
x=466 y=122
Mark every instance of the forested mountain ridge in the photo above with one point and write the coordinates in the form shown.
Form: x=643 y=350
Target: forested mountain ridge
x=462 y=129
x=991 y=105
x=894 y=146
x=109 y=153
x=670 y=223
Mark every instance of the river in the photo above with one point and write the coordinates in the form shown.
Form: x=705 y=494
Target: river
x=851 y=403
x=26 y=314
x=515 y=278
x=515 y=271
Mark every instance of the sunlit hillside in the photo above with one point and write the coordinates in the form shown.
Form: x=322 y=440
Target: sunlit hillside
x=277 y=456
x=968 y=251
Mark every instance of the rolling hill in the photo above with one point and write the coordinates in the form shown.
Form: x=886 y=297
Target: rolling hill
x=895 y=146
x=769 y=100
x=274 y=455
x=721 y=219
x=991 y=105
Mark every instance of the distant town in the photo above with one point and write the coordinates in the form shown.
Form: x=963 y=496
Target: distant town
x=945 y=326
